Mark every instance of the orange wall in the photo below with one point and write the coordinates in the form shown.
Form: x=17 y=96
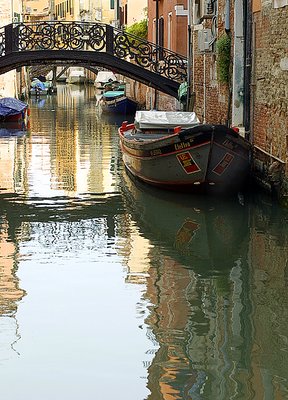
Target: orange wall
x=178 y=28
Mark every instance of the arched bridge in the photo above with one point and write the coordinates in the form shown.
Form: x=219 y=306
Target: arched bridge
x=91 y=45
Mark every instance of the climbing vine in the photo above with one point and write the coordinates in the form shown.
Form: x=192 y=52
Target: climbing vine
x=223 y=58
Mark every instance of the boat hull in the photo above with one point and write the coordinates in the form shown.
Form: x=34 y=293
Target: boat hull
x=14 y=118
x=38 y=93
x=211 y=159
x=12 y=110
x=122 y=105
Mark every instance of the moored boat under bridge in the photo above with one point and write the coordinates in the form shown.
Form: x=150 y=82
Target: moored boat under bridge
x=91 y=45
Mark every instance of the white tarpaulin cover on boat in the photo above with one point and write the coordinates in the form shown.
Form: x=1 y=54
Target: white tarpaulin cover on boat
x=104 y=76
x=165 y=119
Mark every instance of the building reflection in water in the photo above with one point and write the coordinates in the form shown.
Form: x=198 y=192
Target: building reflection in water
x=68 y=164
x=268 y=261
x=52 y=163
x=213 y=273
x=10 y=292
x=12 y=179
x=212 y=292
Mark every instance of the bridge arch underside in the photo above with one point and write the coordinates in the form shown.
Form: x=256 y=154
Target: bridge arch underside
x=89 y=60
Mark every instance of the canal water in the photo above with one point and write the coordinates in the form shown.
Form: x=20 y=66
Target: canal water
x=113 y=290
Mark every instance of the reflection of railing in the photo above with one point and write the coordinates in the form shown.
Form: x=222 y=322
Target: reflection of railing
x=86 y=36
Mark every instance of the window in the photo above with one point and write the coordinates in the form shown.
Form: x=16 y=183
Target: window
x=161 y=31
x=169 y=38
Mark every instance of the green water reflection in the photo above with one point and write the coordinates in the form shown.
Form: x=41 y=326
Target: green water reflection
x=160 y=295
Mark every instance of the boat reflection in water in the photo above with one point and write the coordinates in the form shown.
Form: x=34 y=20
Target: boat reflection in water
x=195 y=282
x=202 y=232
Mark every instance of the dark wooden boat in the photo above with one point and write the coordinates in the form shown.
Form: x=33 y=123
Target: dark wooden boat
x=172 y=150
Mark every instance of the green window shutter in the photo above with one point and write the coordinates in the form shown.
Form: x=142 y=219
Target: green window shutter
x=112 y=4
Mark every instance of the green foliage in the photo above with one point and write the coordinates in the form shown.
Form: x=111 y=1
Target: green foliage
x=223 y=58
x=139 y=29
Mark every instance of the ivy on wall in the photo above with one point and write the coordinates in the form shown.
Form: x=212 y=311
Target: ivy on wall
x=223 y=47
x=139 y=29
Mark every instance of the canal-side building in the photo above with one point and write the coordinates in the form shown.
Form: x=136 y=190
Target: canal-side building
x=269 y=93
x=97 y=11
x=238 y=71
x=253 y=93
x=36 y=10
x=254 y=96
x=10 y=82
x=66 y=10
x=132 y=11
x=172 y=20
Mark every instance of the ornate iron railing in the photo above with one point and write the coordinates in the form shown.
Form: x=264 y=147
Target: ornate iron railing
x=87 y=36
x=2 y=41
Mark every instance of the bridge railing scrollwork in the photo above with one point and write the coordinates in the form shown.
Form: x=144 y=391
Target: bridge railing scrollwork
x=87 y=36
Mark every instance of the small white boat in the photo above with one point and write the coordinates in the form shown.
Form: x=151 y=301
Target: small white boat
x=104 y=77
x=76 y=75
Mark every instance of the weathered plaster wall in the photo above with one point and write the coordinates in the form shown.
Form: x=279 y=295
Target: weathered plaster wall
x=270 y=90
x=8 y=80
x=136 y=11
x=270 y=96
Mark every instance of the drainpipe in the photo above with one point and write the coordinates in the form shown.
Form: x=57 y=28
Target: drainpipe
x=227 y=17
x=238 y=65
x=228 y=32
x=117 y=13
x=189 y=56
x=252 y=83
x=204 y=88
x=247 y=66
x=157 y=26
x=157 y=50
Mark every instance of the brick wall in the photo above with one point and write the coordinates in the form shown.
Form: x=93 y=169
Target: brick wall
x=211 y=106
x=145 y=96
x=270 y=94
x=269 y=89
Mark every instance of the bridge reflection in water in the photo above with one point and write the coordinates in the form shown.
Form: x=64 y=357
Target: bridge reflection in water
x=125 y=282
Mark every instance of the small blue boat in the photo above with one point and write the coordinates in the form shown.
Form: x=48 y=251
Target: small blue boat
x=117 y=102
x=12 y=109
x=120 y=104
x=113 y=94
x=39 y=88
